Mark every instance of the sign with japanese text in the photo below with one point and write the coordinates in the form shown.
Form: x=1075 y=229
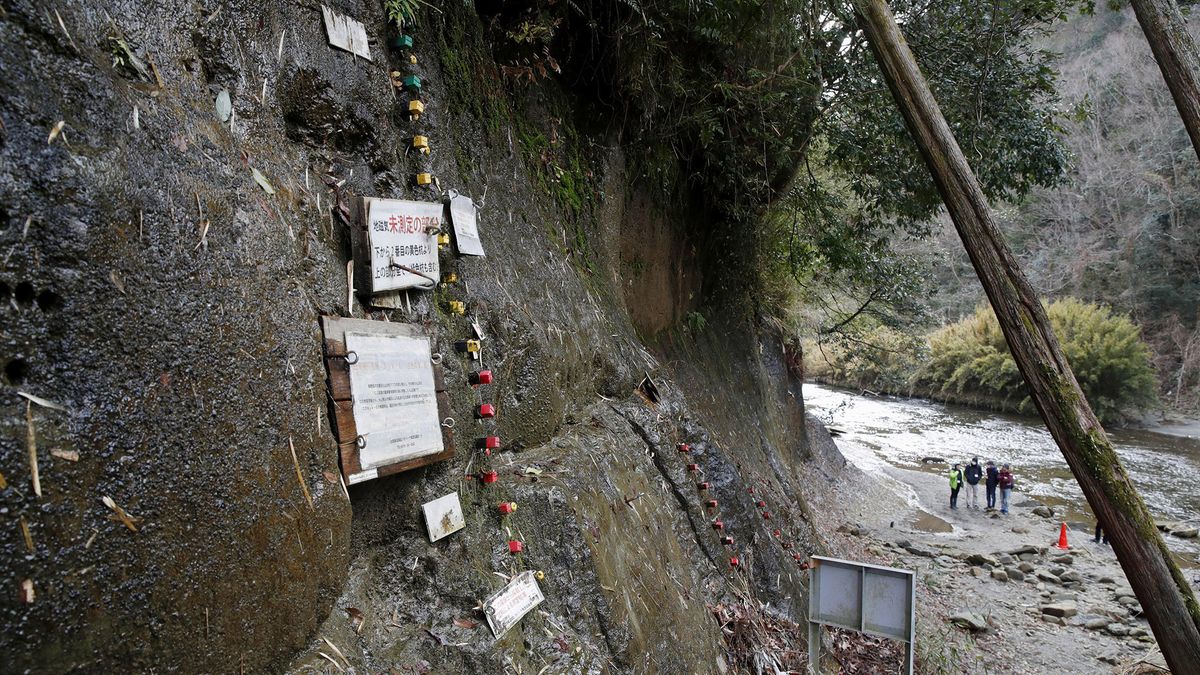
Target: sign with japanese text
x=402 y=237
x=506 y=606
x=394 y=401
x=463 y=215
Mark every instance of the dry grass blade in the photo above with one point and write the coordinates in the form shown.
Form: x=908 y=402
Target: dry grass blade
x=31 y=442
x=55 y=131
x=45 y=403
x=299 y=475
x=336 y=650
x=27 y=591
x=330 y=659
x=27 y=535
x=3 y=481
x=125 y=519
x=68 y=455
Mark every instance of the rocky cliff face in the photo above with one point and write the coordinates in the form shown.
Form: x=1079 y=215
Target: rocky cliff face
x=163 y=264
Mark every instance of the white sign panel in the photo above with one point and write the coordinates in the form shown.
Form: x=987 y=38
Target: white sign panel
x=444 y=516
x=402 y=236
x=506 y=607
x=394 y=402
x=346 y=33
x=862 y=597
x=463 y=215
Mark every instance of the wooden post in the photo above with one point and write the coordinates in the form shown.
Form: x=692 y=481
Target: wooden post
x=1163 y=591
x=1175 y=51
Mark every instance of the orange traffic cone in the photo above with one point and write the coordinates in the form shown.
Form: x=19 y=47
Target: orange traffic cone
x=1062 y=537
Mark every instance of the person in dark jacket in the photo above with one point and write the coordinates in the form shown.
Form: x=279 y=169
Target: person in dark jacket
x=956 y=481
x=993 y=478
x=973 y=473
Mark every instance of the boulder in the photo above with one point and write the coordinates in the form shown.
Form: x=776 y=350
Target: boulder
x=970 y=620
x=999 y=575
x=1186 y=533
x=981 y=559
x=1064 y=609
x=1043 y=511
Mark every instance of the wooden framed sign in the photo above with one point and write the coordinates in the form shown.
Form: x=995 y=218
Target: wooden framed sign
x=388 y=397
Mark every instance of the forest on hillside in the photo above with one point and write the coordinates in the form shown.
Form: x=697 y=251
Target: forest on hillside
x=1119 y=230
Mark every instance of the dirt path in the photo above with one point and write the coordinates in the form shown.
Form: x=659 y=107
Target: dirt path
x=1001 y=572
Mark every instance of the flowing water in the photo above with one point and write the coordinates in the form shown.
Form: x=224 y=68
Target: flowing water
x=907 y=432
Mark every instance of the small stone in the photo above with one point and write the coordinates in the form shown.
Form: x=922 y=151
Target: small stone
x=1026 y=567
x=1108 y=580
x=1071 y=575
x=978 y=572
x=999 y=575
x=1062 y=560
x=1066 y=608
x=1043 y=511
x=1096 y=624
x=1111 y=659
x=1127 y=600
x=1027 y=556
x=981 y=559
x=1048 y=577
x=1058 y=571
x=1049 y=618
x=1014 y=574
x=1118 y=629
x=1004 y=559
x=1027 y=548
x=1020 y=530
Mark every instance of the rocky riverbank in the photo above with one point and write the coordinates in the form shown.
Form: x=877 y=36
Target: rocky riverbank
x=996 y=594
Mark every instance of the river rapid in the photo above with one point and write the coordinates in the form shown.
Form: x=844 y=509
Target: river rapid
x=902 y=432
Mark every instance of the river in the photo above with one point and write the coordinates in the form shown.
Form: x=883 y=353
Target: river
x=902 y=432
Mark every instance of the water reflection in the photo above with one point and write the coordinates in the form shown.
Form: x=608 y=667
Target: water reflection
x=903 y=432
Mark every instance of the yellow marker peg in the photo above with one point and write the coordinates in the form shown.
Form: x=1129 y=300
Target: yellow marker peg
x=458 y=307
x=450 y=278
x=473 y=346
x=412 y=58
x=539 y=575
x=443 y=240
x=421 y=143
x=415 y=108
x=424 y=178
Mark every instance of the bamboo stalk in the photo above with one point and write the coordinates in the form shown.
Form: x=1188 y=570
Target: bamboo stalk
x=31 y=442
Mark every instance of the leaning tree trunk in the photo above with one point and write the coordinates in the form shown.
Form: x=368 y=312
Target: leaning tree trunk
x=1175 y=51
x=1164 y=593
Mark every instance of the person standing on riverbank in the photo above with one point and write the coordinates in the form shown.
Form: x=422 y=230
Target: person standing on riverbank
x=1006 y=487
x=956 y=481
x=993 y=478
x=973 y=474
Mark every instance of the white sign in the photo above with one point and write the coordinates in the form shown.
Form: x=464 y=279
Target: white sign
x=466 y=228
x=506 y=606
x=346 y=33
x=394 y=403
x=402 y=236
x=444 y=516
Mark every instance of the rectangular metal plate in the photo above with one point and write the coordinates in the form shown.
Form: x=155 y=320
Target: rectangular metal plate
x=394 y=402
x=346 y=33
x=506 y=607
x=444 y=516
x=863 y=597
x=464 y=217
x=400 y=232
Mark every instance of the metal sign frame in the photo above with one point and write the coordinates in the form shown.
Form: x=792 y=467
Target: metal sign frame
x=871 y=599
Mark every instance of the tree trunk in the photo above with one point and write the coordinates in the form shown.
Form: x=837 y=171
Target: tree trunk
x=1175 y=51
x=1163 y=591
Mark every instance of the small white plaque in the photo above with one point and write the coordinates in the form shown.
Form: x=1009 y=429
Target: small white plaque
x=394 y=401
x=506 y=606
x=444 y=516
x=346 y=33
x=361 y=476
x=403 y=234
x=463 y=215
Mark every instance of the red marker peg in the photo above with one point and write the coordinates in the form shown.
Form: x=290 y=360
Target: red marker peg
x=751 y=490
x=761 y=504
x=733 y=562
x=804 y=565
x=787 y=545
x=481 y=377
x=488 y=443
x=797 y=557
x=489 y=476
x=712 y=503
x=515 y=547
x=507 y=507
x=766 y=515
x=703 y=486
x=693 y=467
x=718 y=525
x=778 y=533
x=485 y=411
x=728 y=541
x=683 y=447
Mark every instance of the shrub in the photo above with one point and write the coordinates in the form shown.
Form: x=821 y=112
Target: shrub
x=1105 y=350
